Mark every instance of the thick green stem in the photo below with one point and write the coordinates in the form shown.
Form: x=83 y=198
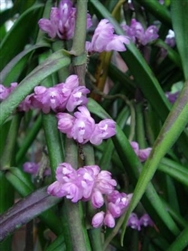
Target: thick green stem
x=73 y=214
x=78 y=239
x=80 y=29
x=78 y=48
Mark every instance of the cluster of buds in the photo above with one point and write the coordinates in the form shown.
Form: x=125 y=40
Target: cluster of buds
x=116 y=205
x=138 y=35
x=33 y=168
x=136 y=223
x=142 y=154
x=82 y=128
x=89 y=183
x=62 y=21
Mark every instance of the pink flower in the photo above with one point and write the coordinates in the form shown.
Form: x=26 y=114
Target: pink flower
x=88 y=176
x=145 y=221
x=114 y=209
x=30 y=167
x=72 y=94
x=97 y=199
x=71 y=191
x=133 y=222
x=98 y=219
x=83 y=125
x=103 y=130
x=109 y=220
x=62 y=21
x=4 y=92
x=142 y=154
x=137 y=33
x=172 y=96
x=27 y=103
x=55 y=189
x=82 y=128
x=118 y=203
x=77 y=97
x=46 y=98
x=65 y=123
x=135 y=147
x=65 y=173
x=104 y=39
x=104 y=182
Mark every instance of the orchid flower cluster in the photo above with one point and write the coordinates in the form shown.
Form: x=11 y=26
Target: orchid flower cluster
x=82 y=127
x=62 y=96
x=136 y=223
x=136 y=33
x=89 y=183
x=142 y=154
x=62 y=21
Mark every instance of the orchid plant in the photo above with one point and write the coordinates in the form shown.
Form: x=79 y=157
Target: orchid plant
x=93 y=119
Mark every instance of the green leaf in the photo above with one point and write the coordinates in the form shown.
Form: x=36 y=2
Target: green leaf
x=20 y=181
x=14 y=68
x=27 y=209
x=53 y=141
x=57 y=245
x=16 y=38
x=179 y=14
x=181 y=242
x=55 y=62
x=175 y=170
x=158 y=10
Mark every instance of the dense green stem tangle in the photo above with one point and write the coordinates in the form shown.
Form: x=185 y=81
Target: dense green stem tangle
x=171 y=130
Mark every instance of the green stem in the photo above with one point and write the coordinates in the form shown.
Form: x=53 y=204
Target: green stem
x=32 y=133
x=78 y=48
x=78 y=239
x=53 y=141
x=8 y=154
x=140 y=133
x=80 y=29
x=73 y=214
